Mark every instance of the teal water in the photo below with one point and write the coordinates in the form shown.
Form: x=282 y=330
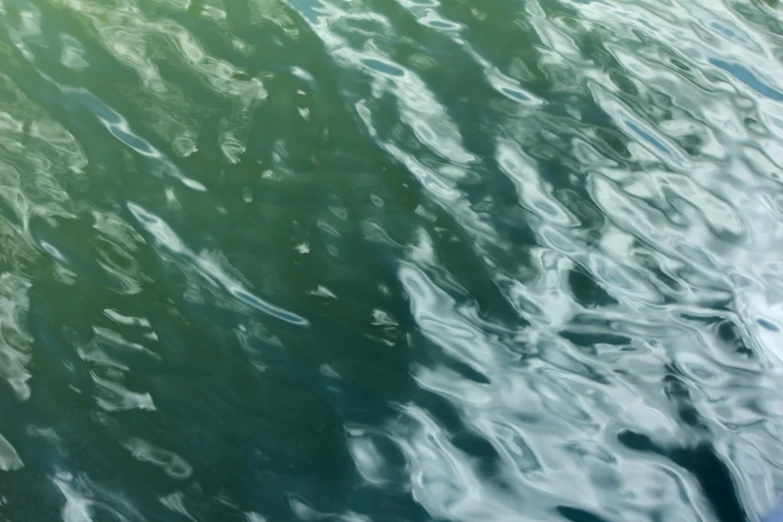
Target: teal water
x=391 y=260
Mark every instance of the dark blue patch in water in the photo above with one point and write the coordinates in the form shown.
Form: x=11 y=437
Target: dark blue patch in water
x=516 y=94
x=768 y=325
x=307 y=8
x=383 y=67
x=132 y=141
x=649 y=138
x=748 y=78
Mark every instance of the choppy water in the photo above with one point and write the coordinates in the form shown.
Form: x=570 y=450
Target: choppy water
x=391 y=260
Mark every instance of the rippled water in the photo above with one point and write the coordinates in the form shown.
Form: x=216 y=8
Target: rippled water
x=391 y=260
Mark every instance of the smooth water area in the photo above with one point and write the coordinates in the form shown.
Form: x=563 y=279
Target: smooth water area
x=391 y=260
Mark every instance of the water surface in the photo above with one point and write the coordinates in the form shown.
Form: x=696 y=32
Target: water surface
x=391 y=260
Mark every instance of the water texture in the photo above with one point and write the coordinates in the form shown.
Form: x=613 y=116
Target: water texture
x=391 y=260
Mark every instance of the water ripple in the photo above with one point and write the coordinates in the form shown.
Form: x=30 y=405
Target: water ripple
x=392 y=260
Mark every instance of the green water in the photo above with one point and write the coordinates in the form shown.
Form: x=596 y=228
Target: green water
x=391 y=260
